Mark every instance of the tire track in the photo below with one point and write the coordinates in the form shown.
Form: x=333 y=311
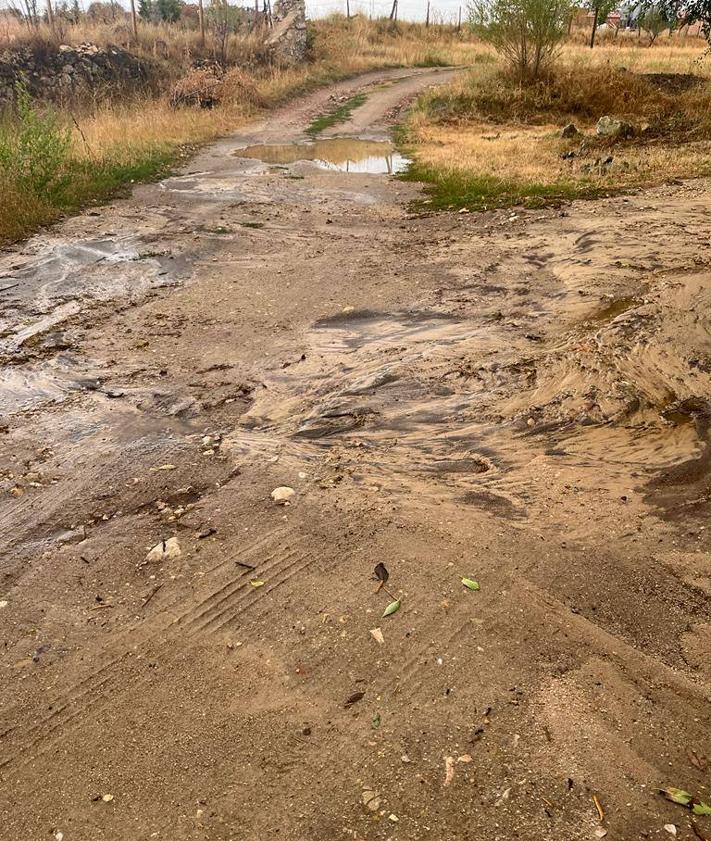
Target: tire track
x=109 y=682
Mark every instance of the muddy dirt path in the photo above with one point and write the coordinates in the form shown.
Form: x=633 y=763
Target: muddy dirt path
x=515 y=398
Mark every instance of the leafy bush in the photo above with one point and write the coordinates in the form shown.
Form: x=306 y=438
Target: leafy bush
x=654 y=22
x=688 y=12
x=34 y=148
x=526 y=32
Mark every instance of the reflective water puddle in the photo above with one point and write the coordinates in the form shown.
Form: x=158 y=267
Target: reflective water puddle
x=341 y=154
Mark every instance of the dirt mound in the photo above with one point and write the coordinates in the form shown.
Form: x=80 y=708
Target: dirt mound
x=674 y=83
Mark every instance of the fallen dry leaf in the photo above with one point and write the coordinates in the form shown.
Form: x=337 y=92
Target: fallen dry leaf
x=377 y=635
x=353 y=699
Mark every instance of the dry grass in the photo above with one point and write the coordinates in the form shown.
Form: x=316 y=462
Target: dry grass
x=358 y=44
x=178 y=45
x=676 y=55
x=532 y=155
x=361 y=44
x=485 y=141
x=138 y=139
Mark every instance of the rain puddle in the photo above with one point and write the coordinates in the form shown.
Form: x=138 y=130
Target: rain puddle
x=615 y=308
x=340 y=154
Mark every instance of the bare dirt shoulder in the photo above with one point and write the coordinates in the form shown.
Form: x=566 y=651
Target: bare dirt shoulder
x=517 y=398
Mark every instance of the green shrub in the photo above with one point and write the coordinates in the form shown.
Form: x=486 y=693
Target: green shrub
x=34 y=148
x=525 y=32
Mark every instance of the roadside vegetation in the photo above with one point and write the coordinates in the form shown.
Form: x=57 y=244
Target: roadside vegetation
x=490 y=141
x=553 y=119
x=336 y=115
x=492 y=138
x=99 y=146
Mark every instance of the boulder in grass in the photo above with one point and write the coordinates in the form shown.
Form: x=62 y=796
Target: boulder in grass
x=569 y=131
x=612 y=127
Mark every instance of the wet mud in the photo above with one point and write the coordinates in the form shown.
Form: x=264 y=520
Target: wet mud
x=519 y=398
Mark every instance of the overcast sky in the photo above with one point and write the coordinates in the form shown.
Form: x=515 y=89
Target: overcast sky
x=407 y=9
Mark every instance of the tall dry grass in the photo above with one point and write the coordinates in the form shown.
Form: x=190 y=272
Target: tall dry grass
x=177 y=44
x=137 y=138
x=485 y=140
x=358 y=43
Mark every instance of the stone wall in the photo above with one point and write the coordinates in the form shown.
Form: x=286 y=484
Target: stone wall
x=70 y=73
x=289 y=36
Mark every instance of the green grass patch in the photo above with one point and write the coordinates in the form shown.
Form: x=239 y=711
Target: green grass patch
x=41 y=178
x=339 y=114
x=433 y=59
x=77 y=184
x=458 y=189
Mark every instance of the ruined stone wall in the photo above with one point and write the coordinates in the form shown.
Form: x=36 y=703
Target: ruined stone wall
x=69 y=72
x=289 y=36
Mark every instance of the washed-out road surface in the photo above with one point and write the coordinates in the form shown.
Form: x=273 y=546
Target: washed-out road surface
x=520 y=398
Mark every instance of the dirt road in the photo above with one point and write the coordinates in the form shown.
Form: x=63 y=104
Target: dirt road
x=519 y=398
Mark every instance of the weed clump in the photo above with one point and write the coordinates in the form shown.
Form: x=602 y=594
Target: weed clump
x=34 y=148
x=660 y=102
x=208 y=87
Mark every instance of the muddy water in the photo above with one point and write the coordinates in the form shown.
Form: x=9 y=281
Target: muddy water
x=340 y=154
x=47 y=288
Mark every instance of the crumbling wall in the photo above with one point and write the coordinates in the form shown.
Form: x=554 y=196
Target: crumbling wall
x=288 y=38
x=69 y=72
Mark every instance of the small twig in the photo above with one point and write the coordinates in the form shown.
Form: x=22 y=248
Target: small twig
x=83 y=136
x=382 y=586
x=11 y=286
x=243 y=564
x=599 y=808
x=101 y=606
x=151 y=594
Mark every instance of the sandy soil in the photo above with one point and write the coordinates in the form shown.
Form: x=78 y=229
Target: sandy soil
x=520 y=398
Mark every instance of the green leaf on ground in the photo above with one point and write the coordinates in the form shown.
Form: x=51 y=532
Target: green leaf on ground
x=470 y=584
x=684 y=798
x=393 y=607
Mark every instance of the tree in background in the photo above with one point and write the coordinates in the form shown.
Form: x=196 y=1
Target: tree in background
x=600 y=9
x=168 y=10
x=28 y=11
x=160 y=10
x=654 y=21
x=101 y=12
x=526 y=32
x=223 y=20
x=686 y=13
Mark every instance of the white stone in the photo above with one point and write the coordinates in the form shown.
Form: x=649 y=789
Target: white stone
x=166 y=550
